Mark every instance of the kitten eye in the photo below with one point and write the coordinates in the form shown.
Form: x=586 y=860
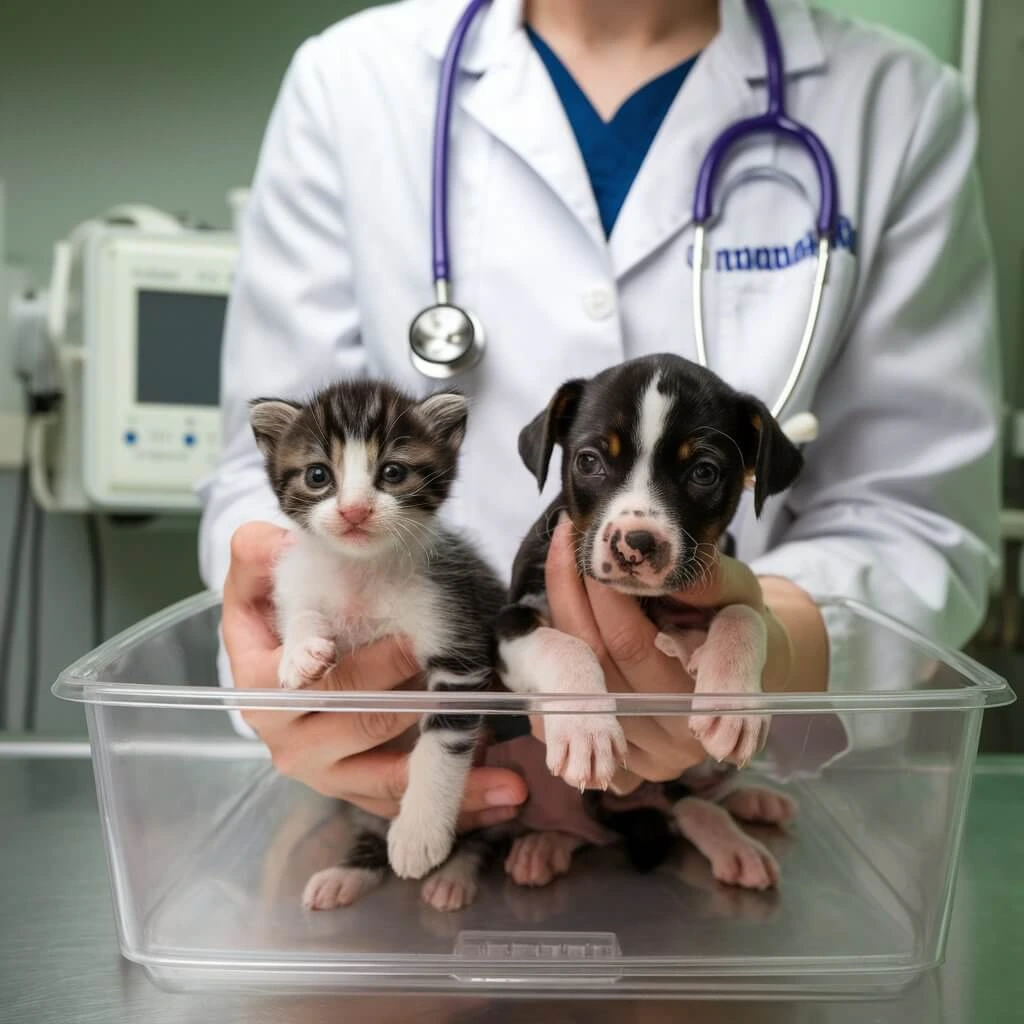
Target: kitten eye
x=705 y=474
x=318 y=476
x=393 y=473
x=589 y=463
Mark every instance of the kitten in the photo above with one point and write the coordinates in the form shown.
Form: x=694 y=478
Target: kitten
x=362 y=470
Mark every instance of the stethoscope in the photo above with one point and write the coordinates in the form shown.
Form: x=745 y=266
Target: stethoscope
x=446 y=339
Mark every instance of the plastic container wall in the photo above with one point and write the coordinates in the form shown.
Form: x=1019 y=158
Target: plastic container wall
x=209 y=848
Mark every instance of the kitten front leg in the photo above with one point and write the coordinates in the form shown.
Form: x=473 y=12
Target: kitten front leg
x=309 y=649
x=422 y=835
x=586 y=747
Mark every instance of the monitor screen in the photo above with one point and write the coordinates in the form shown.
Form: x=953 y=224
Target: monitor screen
x=179 y=340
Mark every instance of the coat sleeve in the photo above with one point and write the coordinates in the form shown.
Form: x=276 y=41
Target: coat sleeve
x=899 y=504
x=292 y=321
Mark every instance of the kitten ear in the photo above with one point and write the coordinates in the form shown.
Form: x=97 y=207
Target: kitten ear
x=446 y=413
x=270 y=419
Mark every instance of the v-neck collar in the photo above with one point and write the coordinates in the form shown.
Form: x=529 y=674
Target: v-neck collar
x=567 y=84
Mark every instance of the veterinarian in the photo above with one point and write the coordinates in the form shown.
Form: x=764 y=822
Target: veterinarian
x=578 y=129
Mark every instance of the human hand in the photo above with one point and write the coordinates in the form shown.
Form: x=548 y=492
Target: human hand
x=622 y=636
x=348 y=755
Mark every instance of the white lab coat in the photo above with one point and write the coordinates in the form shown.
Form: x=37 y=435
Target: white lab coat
x=898 y=503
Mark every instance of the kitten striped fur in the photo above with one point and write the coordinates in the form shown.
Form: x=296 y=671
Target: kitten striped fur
x=362 y=470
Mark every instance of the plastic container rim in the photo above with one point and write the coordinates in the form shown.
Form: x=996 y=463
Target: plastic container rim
x=84 y=682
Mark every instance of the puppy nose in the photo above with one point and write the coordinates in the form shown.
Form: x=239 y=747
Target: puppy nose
x=643 y=542
x=355 y=514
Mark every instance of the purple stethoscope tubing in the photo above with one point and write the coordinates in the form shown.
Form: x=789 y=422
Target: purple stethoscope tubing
x=442 y=122
x=774 y=121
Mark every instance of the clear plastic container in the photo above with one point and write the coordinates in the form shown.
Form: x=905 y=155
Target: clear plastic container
x=209 y=848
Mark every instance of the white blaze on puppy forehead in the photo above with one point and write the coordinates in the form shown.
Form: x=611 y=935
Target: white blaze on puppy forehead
x=655 y=408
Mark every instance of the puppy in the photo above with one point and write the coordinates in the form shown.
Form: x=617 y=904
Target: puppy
x=656 y=453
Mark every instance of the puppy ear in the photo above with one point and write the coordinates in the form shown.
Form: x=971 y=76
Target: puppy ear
x=537 y=440
x=270 y=419
x=446 y=412
x=767 y=453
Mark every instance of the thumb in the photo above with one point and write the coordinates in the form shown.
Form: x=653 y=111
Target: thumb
x=566 y=593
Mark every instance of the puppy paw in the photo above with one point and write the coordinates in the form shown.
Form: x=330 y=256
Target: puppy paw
x=760 y=805
x=305 y=663
x=449 y=890
x=417 y=844
x=744 y=862
x=338 y=887
x=735 y=738
x=585 y=750
x=540 y=857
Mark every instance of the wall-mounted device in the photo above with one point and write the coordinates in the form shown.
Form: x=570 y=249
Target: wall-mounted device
x=134 y=317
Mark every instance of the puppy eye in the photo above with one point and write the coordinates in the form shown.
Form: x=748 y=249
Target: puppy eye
x=393 y=473
x=318 y=476
x=705 y=474
x=588 y=463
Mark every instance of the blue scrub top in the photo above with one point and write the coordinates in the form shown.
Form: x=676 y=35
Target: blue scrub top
x=613 y=151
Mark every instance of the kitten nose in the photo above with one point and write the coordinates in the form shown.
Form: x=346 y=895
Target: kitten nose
x=354 y=514
x=642 y=542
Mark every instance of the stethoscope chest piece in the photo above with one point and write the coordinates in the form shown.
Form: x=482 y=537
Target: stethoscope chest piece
x=445 y=340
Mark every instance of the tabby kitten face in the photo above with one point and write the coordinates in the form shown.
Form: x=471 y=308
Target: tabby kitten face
x=361 y=465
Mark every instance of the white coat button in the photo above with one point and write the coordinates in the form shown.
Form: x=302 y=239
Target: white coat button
x=599 y=303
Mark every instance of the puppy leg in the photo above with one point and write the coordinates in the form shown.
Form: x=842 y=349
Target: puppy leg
x=731 y=660
x=584 y=748
x=760 y=805
x=454 y=884
x=363 y=868
x=735 y=857
x=539 y=857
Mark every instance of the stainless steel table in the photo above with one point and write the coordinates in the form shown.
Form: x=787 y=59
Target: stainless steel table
x=59 y=960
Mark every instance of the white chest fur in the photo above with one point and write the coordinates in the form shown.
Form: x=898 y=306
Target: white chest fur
x=358 y=601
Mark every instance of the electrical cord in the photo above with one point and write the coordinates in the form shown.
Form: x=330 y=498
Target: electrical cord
x=22 y=512
x=34 y=630
x=99 y=589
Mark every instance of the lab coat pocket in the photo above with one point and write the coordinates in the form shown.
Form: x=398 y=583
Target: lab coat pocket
x=762 y=304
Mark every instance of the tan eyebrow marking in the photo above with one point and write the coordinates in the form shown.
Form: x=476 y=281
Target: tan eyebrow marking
x=614 y=443
x=685 y=450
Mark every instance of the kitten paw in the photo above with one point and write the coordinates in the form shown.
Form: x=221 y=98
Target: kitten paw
x=416 y=844
x=585 y=750
x=449 y=889
x=339 y=887
x=305 y=663
x=540 y=857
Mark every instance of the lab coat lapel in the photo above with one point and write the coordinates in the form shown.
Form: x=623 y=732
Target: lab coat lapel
x=719 y=90
x=517 y=103
x=659 y=203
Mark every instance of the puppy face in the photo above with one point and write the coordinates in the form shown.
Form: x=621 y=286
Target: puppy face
x=656 y=453
x=361 y=465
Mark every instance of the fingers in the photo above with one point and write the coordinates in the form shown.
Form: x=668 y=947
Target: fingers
x=566 y=593
x=729 y=582
x=255 y=548
x=627 y=637
x=246 y=617
x=376 y=781
x=382 y=665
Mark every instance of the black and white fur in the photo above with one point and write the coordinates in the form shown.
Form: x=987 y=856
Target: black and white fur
x=656 y=453
x=362 y=469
